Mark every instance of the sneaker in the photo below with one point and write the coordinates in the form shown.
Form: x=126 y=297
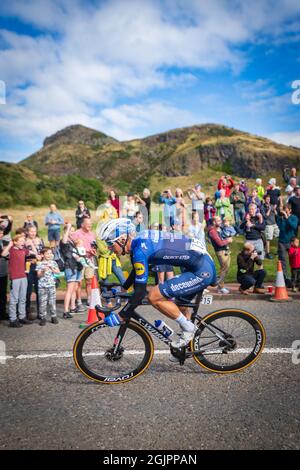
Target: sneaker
x=15 y=324
x=43 y=321
x=224 y=291
x=80 y=308
x=258 y=290
x=73 y=310
x=183 y=340
x=24 y=321
x=67 y=315
x=54 y=320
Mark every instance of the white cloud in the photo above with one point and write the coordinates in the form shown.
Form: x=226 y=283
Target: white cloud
x=91 y=55
x=287 y=138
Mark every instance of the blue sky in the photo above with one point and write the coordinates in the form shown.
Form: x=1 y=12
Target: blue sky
x=137 y=67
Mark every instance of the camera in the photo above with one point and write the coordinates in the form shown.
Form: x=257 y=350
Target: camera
x=94 y=245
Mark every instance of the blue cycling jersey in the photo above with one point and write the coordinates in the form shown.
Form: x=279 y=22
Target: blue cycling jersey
x=152 y=247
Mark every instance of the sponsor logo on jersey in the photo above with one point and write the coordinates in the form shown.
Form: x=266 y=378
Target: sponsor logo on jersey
x=185 y=284
x=139 y=268
x=205 y=275
x=174 y=257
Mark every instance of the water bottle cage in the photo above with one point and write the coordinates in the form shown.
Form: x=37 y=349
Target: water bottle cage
x=180 y=353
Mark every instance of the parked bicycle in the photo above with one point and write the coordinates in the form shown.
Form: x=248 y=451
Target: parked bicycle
x=226 y=341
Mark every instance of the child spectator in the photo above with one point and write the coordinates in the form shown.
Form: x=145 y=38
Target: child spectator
x=209 y=211
x=294 y=256
x=46 y=270
x=16 y=267
x=3 y=276
x=79 y=253
x=227 y=230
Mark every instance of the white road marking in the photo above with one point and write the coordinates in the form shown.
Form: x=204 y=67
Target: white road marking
x=67 y=354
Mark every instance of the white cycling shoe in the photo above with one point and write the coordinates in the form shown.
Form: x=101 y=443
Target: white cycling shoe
x=183 y=340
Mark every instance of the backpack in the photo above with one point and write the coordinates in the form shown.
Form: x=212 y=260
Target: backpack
x=59 y=259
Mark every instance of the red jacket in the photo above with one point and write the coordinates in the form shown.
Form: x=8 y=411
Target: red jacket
x=294 y=255
x=225 y=186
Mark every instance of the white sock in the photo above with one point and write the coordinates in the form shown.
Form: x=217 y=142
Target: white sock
x=185 y=325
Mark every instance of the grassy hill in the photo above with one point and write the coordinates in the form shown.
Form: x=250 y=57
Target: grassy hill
x=201 y=151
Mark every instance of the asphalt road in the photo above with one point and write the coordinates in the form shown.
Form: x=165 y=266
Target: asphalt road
x=47 y=404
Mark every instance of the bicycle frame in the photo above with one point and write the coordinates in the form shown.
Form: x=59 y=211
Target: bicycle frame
x=157 y=333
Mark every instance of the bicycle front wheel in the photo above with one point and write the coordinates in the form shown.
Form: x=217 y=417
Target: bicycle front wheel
x=228 y=341
x=97 y=357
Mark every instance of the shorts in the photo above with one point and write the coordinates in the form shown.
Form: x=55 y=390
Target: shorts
x=189 y=283
x=163 y=268
x=73 y=276
x=271 y=231
x=88 y=273
x=53 y=235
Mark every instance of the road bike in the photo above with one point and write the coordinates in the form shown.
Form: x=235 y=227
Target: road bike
x=226 y=341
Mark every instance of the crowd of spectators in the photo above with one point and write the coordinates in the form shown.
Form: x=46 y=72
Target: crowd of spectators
x=258 y=214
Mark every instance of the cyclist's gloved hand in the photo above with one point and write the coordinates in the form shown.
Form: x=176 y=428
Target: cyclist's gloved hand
x=112 y=320
x=116 y=290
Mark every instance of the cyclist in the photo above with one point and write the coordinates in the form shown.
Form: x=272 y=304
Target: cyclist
x=152 y=248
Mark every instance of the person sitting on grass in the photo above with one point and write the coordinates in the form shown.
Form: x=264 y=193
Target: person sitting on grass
x=246 y=275
x=294 y=256
x=46 y=270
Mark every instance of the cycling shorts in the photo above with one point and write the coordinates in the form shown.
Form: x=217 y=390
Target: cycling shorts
x=190 y=282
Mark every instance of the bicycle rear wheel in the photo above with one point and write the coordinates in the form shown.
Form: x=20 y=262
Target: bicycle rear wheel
x=95 y=356
x=240 y=342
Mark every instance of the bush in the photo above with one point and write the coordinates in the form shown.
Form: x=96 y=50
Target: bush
x=6 y=201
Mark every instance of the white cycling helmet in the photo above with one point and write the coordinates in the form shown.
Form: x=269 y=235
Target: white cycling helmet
x=112 y=230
